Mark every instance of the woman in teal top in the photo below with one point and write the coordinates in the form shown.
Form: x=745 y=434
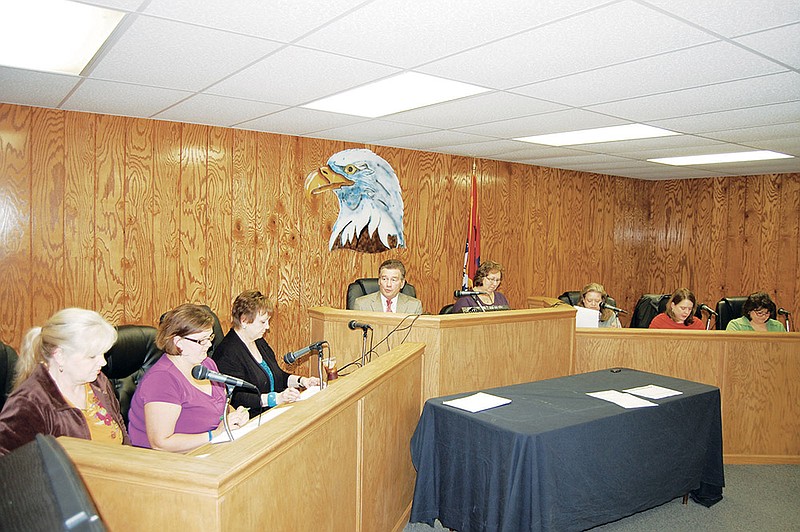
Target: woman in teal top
x=758 y=314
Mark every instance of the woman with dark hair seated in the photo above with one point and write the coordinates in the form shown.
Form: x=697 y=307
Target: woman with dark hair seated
x=486 y=281
x=758 y=314
x=171 y=410
x=593 y=296
x=244 y=353
x=59 y=389
x=679 y=313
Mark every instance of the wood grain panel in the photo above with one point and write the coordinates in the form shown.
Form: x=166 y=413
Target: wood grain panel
x=79 y=222
x=47 y=219
x=166 y=213
x=243 y=224
x=219 y=215
x=139 y=262
x=110 y=217
x=194 y=219
x=788 y=258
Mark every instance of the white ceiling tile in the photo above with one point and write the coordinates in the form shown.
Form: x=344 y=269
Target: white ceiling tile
x=179 y=56
x=749 y=134
x=294 y=76
x=406 y=33
x=616 y=33
x=282 y=20
x=94 y=96
x=782 y=44
x=371 y=131
x=774 y=88
x=762 y=115
x=671 y=172
x=28 y=87
x=209 y=109
x=433 y=139
x=702 y=65
x=478 y=109
x=733 y=17
x=299 y=121
x=557 y=122
x=701 y=149
x=121 y=5
x=677 y=142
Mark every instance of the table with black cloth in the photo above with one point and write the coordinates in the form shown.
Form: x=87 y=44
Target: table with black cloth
x=556 y=459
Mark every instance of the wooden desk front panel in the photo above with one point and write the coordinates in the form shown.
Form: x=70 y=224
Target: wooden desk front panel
x=758 y=375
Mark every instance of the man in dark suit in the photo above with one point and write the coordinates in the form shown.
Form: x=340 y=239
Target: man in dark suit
x=391 y=279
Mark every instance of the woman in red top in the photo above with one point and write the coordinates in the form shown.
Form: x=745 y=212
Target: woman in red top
x=679 y=313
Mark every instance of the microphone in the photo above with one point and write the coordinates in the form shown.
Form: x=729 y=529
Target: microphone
x=783 y=311
x=463 y=293
x=292 y=356
x=705 y=307
x=356 y=325
x=202 y=373
x=615 y=309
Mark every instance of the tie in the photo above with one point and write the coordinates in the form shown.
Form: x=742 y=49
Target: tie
x=388 y=305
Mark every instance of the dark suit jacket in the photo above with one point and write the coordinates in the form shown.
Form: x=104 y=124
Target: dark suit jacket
x=234 y=359
x=405 y=304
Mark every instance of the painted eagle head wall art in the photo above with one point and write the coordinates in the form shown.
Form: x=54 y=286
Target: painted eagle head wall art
x=370 y=201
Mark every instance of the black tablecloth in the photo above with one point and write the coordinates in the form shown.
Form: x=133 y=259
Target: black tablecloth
x=556 y=459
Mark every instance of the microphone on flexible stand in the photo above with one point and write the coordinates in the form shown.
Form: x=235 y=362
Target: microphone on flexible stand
x=465 y=293
x=291 y=357
x=611 y=307
x=202 y=373
x=353 y=325
x=705 y=307
x=783 y=311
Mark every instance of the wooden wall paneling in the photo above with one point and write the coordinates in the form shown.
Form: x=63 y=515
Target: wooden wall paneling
x=735 y=239
x=762 y=230
x=110 y=217
x=139 y=261
x=79 y=221
x=47 y=213
x=451 y=203
x=787 y=261
x=512 y=236
x=535 y=220
x=280 y=248
x=194 y=222
x=245 y=187
x=219 y=215
x=700 y=268
x=15 y=222
x=165 y=210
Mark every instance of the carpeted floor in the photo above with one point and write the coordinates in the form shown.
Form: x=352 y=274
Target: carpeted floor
x=757 y=498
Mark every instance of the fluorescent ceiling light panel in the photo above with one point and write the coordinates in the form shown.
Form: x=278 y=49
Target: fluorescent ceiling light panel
x=716 y=158
x=53 y=35
x=603 y=134
x=395 y=94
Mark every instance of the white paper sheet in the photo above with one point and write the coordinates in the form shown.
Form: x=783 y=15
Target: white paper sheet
x=587 y=317
x=651 y=391
x=252 y=424
x=477 y=402
x=625 y=400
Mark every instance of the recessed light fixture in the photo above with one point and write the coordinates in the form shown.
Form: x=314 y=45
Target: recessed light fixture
x=395 y=94
x=716 y=158
x=603 y=134
x=53 y=35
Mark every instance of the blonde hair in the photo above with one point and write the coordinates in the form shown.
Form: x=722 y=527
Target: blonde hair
x=72 y=330
x=605 y=314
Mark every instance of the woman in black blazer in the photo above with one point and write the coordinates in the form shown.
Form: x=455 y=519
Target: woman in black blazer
x=244 y=353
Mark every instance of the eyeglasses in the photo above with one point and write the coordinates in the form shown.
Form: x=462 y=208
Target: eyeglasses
x=202 y=341
x=762 y=312
x=494 y=279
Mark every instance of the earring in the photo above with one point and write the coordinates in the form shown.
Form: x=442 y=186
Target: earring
x=60 y=369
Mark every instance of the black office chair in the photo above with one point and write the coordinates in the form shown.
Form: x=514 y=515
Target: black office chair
x=572 y=297
x=730 y=308
x=368 y=285
x=8 y=364
x=647 y=308
x=447 y=309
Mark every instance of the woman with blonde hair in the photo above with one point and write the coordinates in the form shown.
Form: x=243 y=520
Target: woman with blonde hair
x=59 y=389
x=594 y=296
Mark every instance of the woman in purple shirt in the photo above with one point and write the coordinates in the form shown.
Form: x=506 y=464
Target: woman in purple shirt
x=171 y=410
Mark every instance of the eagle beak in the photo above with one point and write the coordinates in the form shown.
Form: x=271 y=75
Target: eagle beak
x=324 y=179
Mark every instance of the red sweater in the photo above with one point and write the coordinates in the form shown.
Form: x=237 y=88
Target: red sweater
x=662 y=321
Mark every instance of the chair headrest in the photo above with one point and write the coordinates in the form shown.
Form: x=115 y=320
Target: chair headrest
x=134 y=349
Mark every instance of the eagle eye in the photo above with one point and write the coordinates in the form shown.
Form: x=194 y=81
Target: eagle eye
x=350 y=169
